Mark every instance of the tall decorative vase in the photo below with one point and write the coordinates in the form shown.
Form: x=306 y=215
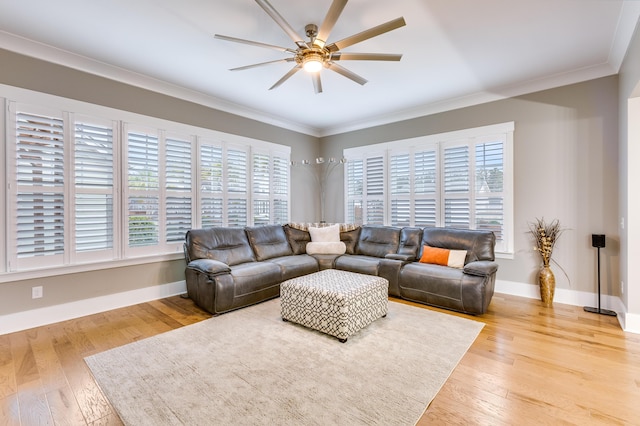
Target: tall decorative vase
x=547 y=285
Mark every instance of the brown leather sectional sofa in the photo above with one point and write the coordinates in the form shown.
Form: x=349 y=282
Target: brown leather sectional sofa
x=229 y=268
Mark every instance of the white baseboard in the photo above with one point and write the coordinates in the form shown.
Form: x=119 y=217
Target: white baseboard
x=628 y=322
x=631 y=323
x=52 y=314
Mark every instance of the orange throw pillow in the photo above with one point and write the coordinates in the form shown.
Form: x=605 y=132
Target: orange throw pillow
x=444 y=257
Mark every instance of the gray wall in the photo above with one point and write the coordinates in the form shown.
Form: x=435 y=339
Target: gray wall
x=29 y=73
x=565 y=161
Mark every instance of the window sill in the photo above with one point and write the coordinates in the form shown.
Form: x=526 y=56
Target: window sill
x=6 y=277
x=505 y=255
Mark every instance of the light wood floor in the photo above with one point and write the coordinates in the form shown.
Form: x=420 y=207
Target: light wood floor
x=530 y=365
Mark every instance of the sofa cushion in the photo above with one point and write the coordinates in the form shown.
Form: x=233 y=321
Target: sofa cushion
x=444 y=257
x=268 y=241
x=227 y=245
x=378 y=241
x=298 y=239
x=350 y=239
x=479 y=244
x=251 y=277
x=295 y=266
x=368 y=265
x=327 y=234
x=410 y=242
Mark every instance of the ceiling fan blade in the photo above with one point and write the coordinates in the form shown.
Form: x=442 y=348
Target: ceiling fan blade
x=317 y=82
x=348 y=56
x=254 y=43
x=246 y=67
x=271 y=11
x=366 y=34
x=345 y=72
x=284 y=78
x=329 y=21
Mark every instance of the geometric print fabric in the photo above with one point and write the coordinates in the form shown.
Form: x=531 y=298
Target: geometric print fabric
x=335 y=302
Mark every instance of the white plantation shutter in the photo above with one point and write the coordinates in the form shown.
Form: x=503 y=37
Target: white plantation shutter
x=375 y=190
x=456 y=163
x=425 y=188
x=94 y=179
x=178 y=186
x=261 y=179
x=39 y=207
x=270 y=188
x=143 y=200
x=237 y=187
x=489 y=187
x=354 y=191
x=459 y=179
x=280 y=179
x=83 y=188
x=211 y=186
x=242 y=185
x=400 y=189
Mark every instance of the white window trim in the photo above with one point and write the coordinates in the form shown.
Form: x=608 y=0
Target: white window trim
x=440 y=140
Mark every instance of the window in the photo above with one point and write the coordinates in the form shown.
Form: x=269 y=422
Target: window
x=460 y=179
x=101 y=185
x=253 y=184
x=178 y=187
x=95 y=202
x=211 y=199
x=270 y=188
x=237 y=190
x=38 y=193
x=143 y=189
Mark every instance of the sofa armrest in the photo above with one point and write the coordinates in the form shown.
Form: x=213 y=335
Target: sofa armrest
x=480 y=268
x=209 y=266
x=402 y=257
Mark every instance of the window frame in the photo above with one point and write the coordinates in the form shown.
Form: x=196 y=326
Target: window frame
x=119 y=254
x=113 y=252
x=439 y=143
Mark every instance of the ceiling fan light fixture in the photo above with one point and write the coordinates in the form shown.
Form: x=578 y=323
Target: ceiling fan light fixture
x=315 y=54
x=312 y=62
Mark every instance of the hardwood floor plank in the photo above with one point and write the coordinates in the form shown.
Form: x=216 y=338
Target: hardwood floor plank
x=64 y=407
x=530 y=365
x=10 y=411
x=24 y=362
x=33 y=405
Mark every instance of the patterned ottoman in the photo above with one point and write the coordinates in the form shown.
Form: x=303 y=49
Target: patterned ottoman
x=335 y=302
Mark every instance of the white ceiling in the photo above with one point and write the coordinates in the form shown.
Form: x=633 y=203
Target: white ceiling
x=455 y=52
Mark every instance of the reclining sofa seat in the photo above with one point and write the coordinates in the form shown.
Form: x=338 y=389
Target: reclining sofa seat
x=466 y=290
x=233 y=267
x=383 y=251
x=229 y=268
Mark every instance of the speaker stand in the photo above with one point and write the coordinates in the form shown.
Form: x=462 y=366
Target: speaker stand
x=598 y=310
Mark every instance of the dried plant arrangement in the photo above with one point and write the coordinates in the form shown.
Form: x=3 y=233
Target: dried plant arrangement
x=546 y=235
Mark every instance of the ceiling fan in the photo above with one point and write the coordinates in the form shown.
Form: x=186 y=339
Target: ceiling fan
x=315 y=54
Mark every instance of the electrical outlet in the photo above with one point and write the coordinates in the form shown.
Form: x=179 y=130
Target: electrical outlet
x=36 y=292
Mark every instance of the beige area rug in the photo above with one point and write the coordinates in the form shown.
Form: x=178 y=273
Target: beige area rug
x=249 y=367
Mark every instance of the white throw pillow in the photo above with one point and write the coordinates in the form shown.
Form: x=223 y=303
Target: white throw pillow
x=326 y=248
x=328 y=234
